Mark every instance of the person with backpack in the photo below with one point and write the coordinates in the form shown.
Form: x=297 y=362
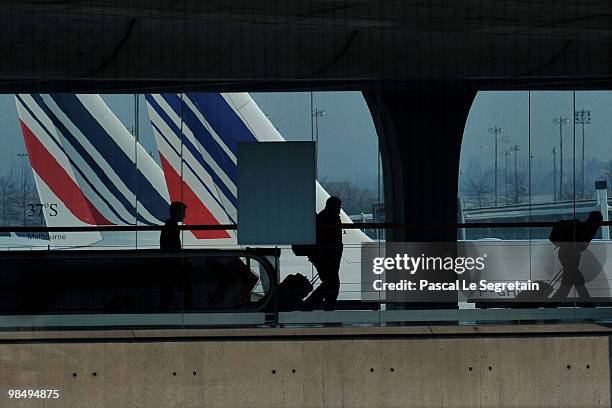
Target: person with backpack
x=572 y=238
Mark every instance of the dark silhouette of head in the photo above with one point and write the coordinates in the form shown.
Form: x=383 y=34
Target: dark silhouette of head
x=177 y=211
x=595 y=219
x=333 y=205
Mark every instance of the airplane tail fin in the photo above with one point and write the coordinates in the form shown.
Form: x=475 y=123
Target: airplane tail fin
x=54 y=177
x=204 y=129
x=89 y=165
x=199 y=167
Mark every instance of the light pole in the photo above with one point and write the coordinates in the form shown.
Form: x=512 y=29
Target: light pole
x=560 y=121
x=529 y=172
x=318 y=114
x=515 y=149
x=582 y=117
x=506 y=154
x=23 y=156
x=495 y=130
x=554 y=153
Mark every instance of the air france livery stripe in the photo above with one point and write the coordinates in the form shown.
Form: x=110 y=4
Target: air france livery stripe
x=198 y=152
x=114 y=173
x=59 y=181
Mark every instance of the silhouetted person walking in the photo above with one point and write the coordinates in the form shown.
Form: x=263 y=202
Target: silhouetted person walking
x=172 y=278
x=326 y=256
x=170 y=238
x=573 y=238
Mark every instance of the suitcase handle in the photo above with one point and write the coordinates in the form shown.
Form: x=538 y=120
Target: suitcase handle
x=557 y=277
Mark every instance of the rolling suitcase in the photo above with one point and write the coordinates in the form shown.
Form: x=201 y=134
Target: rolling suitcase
x=291 y=291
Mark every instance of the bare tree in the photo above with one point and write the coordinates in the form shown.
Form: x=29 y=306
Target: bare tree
x=569 y=191
x=478 y=188
x=8 y=198
x=34 y=214
x=518 y=187
x=477 y=184
x=355 y=200
x=607 y=172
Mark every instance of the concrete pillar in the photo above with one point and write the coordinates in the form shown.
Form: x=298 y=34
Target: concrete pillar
x=420 y=133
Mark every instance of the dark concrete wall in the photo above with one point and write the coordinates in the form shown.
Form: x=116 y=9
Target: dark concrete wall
x=473 y=371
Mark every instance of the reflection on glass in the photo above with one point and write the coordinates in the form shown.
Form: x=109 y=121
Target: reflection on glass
x=551 y=152
x=84 y=160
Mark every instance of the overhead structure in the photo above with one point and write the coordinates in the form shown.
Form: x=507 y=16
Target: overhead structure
x=228 y=44
x=410 y=58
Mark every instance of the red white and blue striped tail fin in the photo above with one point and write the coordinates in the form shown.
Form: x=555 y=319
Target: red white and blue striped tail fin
x=199 y=165
x=206 y=139
x=86 y=161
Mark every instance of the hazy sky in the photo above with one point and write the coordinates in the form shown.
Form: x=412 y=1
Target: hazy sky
x=347 y=148
x=347 y=140
x=527 y=120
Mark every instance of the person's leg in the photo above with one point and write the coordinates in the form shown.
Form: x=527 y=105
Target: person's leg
x=582 y=292
x=332 y=290
x=562 y=292
x=315 y=300
x=327 y=293
x=569 y=262
x=331 y=283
